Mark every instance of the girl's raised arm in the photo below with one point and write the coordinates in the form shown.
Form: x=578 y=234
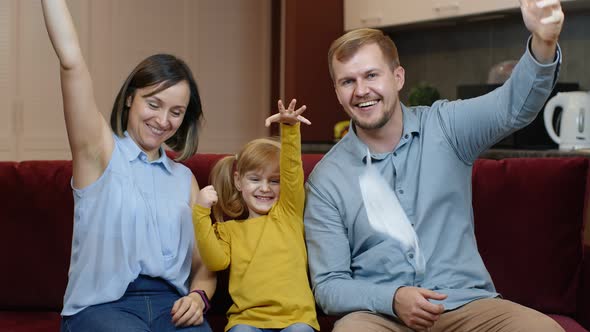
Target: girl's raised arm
x=90 y=137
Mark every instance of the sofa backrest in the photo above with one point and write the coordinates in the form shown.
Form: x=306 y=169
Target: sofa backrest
x=35 y=233
x=36 y=215
x=529 y=217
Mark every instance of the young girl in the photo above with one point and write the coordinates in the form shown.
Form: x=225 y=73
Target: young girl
x=265 y=251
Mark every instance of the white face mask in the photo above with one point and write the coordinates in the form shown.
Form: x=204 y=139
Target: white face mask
x=386 y=214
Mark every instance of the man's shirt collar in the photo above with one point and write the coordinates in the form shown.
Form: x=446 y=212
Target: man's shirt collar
x=411 y=124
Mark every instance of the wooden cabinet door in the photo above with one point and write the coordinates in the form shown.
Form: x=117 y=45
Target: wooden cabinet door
x=476 y=7
x=382 y=13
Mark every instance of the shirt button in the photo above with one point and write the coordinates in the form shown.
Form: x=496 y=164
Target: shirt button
x=395 y=154
x=401 y=191
x=406 y=136
x=410 y=255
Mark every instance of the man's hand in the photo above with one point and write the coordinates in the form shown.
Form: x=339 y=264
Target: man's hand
x=207 y=197
x=544 y=19
x=412 y=306
x=188 y=311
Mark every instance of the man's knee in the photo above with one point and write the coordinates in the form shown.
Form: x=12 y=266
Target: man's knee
x=366 y=321
x=535 y=321
x=350 y=322
x=522 y=318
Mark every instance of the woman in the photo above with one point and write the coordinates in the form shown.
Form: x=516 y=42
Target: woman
x=133 y=257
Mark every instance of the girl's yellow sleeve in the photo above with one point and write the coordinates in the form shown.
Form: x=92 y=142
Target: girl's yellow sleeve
x=292 y=198
x=213 y=240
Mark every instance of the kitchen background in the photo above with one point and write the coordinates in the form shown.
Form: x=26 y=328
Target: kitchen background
x=444 y=53
x=225 y=42
x=247 y=54
x=464 y=52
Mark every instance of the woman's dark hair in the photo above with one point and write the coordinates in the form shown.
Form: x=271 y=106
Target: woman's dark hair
x=164 y=70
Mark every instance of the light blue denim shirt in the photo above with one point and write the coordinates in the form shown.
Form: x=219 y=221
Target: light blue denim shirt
x=354 y=268
x=135 y=219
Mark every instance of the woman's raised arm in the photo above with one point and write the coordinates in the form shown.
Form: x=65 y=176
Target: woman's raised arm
x=90 y=137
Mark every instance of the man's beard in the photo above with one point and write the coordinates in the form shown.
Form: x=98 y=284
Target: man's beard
x=375 y=125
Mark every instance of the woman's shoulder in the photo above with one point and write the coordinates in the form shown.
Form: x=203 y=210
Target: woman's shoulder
x=178 y=168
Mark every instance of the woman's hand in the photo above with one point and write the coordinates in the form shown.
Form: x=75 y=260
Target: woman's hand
x=288 y=116
x=188 y=310
x=207 y=197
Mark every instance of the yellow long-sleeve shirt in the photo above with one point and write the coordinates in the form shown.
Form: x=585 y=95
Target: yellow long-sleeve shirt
x=266 y=255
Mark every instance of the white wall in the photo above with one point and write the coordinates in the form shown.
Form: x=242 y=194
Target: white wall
x=225 y=42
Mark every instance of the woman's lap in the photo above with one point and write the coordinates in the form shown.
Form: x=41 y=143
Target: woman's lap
x=145 y=306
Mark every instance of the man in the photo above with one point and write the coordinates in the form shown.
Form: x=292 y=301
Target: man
x=426 y=155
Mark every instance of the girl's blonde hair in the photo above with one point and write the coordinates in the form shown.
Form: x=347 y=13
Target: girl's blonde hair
x=256 y=154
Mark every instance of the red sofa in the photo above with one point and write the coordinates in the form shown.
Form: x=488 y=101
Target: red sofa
x=529 y=216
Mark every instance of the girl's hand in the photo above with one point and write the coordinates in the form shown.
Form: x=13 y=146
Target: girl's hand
x=188 y=310
x=207 y=197
x=288 y=116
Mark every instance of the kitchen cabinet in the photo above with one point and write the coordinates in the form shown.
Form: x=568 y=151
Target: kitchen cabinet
x=382 y=13
x=386 y=13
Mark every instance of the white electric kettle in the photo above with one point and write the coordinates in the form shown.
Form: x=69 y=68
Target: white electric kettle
x=574 y=127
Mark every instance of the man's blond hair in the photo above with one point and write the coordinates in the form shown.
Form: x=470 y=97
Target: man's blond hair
x=345 y=47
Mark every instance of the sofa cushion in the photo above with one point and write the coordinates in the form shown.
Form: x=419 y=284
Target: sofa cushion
x=14 y=321
x=568 y=324
x=36 y=233
x=537 y=206
x=309 y=161
x=583 y=315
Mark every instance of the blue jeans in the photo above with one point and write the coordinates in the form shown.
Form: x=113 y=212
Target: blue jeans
x=145 y=306
x=298 y=327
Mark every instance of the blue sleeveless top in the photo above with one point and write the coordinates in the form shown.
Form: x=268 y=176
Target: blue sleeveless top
x=135 y=219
